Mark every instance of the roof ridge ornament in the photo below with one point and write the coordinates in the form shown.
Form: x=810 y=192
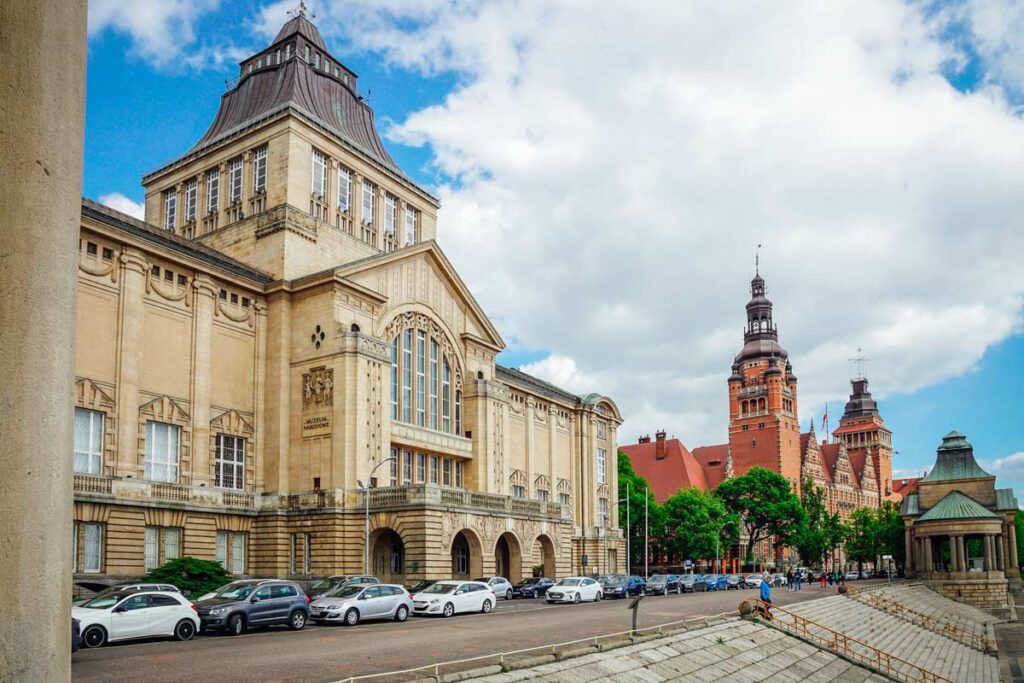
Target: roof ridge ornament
x=301 y=11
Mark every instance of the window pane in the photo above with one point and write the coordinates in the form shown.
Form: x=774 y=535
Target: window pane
x=91 y=561
x=421 y=468
x=172 y=544
x=434 y=350
x=407 y=376
x=238 y=553
x=434 y=465
x=394 y=466
x=88 y=441
x=421 y=403
x=152 y=552
x=446 y=391
x=222 y=548
x=394 y=378
x=406 y=467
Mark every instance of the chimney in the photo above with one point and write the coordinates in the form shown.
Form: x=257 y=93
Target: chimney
x=659 y=448
x=646 y=438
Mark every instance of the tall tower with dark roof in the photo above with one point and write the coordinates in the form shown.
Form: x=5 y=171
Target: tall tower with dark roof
x=291 y=176
x=865 y=435
x=763 y=427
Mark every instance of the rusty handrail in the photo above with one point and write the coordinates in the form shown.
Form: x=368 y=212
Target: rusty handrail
x=843 y=645
x=940 y=625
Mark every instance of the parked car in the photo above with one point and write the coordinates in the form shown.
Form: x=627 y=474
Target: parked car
x=127 y=614
x=622 y=586
x=254 y=602
x=778 y=580
x=753 y=580
x=851 y=576
x=533 y=587
x=662 y=584
x=714 y=582
x=446 y=598
x=575 y=589
x=420 y=586
x=501 y=586
x=357 y=602
x=323 y=586
x=76 y=635
x=735 y=582
x=691 y=583
x=102 y=589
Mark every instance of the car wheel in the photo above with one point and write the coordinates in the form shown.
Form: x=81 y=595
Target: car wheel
x=352 y=617
x=94 y=636
x=184 y=630
x=664 y=591
x=297 y=622
x=486 y=607
x=449 y=609
x=576 y=599
x=599 y=597
x=508 y=594
x=402 y=613
x=236 y=625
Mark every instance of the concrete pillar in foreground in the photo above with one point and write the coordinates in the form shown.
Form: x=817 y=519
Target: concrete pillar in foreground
x=42 y=78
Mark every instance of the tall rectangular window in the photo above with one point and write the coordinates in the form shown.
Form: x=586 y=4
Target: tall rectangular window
x=191 y=199
x=319 y=174
x=421 y=380
x=407 y=375
x=410 y=225
x=458 y=413
x=446 y=472
x=421 y=468
x=292 y=547
x=458 y=473
x=172 y=544
x=238 y=552
x=518 y=491
x=602 y=512
x=92 y=541
x=602 y=457
x=390 y=213
x=344 y=189
x=212 y=191
x=161 y=452
x=259 y=170
x=235 y=180
x=435 y=463
x=446 y=393
x=229 y=467
x=222 y=548
x=170 y=209
x=307 y=553
x=406 y=467
x=367 y=202
x=434 y=350
x=394 y=378
x=151 y=559
x=394 y=467
x=88 y=441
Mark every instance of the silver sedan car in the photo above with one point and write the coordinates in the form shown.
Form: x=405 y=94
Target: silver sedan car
x=353 y=603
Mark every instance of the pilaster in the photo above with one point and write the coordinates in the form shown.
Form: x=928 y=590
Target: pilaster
x=204 y=298
x=134 y=271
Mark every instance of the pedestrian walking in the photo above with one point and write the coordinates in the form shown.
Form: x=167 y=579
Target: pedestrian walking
x=799 y=577
x=823 y=581
x=789 y=579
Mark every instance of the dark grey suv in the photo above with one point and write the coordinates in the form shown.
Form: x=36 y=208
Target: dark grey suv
x=256 y=602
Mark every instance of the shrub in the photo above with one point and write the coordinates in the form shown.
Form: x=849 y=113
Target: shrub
x=190 y=574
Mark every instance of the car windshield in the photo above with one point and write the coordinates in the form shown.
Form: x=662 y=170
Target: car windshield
x=529 y=582
x=482 y=580
x=615 y=580
x=441 y=588
x=324 y=584
x=236 y=591
x=105 y=600
x=657 y=579
x=735 y=577
x=569 y=582
x=345 y=592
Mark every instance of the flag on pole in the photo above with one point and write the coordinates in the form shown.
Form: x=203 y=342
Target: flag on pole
x=824 y=423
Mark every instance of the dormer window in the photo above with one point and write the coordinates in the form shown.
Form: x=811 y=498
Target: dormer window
x=307 y=54
x=288 y=51
x=316 y=60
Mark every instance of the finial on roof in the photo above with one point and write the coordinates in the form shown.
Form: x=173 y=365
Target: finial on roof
x=301 y=10
x=859 y=360
x=757 y=260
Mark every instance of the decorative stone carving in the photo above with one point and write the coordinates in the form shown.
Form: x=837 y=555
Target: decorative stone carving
x=498 y=441
x=421 y=321
x=285 y=217
x=318 y=388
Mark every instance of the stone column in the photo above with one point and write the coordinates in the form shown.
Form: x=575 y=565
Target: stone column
x=205 y=299
x=988 y=553
x=961 y=547
x=42 y=75
x=1012 y=534
x=909 y=564
x=1000 y=559
x=954 y=558
x=134 y=271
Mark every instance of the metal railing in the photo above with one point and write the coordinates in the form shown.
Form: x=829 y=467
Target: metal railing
x=844 y=646
x=553 y=649
x=935 y=624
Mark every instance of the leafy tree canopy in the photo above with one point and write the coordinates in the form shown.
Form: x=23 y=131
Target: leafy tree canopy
x=694 y=522
x=190 y=574
x=763 y=502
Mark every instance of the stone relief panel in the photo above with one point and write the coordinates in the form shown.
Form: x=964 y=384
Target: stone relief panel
x=498 y=452
x=318 y=388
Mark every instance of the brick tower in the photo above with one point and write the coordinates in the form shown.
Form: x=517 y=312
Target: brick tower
x=763 y=427
x=865 y=435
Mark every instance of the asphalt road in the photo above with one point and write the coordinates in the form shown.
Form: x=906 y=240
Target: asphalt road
x=331 y=653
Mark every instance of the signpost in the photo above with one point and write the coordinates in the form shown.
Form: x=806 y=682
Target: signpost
x=635 y=606
x=888 y=565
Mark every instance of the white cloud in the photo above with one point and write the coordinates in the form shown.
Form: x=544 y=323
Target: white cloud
x=562 y=371
x=1011 y=467
x=163 y=32
x=119 y=202
x=993 y=30
x=611 y=166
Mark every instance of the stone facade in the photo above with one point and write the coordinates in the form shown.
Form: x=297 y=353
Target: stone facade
x=258 y=361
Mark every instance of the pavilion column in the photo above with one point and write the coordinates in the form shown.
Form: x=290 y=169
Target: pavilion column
x=1012 y=535
x=908 y=551
x=1000 y=558
x=962 y=552
x=988 y=553
x=954 y=554
x=42 y=75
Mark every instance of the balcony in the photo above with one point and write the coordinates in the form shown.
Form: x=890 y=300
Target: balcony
x=431 y=440
x=138 y=490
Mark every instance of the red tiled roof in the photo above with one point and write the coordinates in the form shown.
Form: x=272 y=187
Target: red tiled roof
x=829 y=456
x=677 y=470
x=903 y=487
x=712 y=459
x=857 y=459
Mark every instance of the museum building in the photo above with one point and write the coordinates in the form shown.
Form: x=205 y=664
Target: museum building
x=281 y=351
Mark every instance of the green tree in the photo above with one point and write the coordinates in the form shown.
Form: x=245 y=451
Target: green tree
x=812 y=540
x=1019 y=525
x=764 y=504
x=190 y=574
x=694 y=520
x=863 y=536
x=891 y=530
x=633 y=492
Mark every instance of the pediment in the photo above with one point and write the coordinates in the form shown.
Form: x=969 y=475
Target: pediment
x=232 y=422
x=423 y=276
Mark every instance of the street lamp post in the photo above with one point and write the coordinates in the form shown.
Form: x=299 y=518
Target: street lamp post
x=366 y=521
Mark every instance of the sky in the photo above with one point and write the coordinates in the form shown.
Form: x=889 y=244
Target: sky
x=607 y=169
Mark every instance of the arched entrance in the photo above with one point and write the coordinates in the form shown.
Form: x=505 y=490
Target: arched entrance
x=508 y=558
x=544 y=551
x=387 y=555
x=467 y=555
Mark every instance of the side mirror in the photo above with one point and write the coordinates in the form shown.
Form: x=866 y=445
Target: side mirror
x=255 y=599
x=119 y=609
x=362 y=596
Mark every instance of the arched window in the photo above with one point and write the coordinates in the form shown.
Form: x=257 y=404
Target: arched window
x=426 y=388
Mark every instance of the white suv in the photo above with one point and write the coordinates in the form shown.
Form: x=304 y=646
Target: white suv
x=121 y=615
x=499 y=584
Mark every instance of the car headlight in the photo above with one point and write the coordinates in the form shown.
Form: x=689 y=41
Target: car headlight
x=435 y=601
x=219 y=610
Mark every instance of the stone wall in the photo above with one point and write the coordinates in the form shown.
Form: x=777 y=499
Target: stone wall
x=983 y=593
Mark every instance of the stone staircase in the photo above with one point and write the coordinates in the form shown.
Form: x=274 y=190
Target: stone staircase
x=733 y=650
x=907 y=641
x=920 y=605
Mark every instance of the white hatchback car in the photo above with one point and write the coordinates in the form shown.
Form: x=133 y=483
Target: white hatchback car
x=575 y=589
x=499 y=584
x=446 y=598
x=123 y=615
